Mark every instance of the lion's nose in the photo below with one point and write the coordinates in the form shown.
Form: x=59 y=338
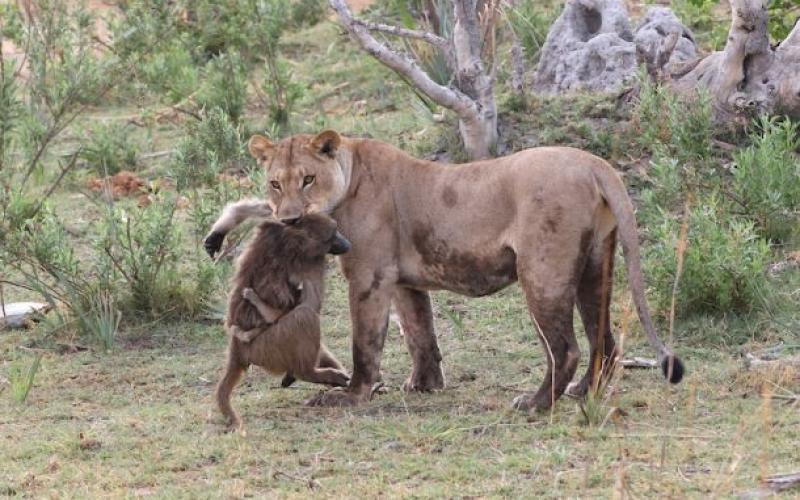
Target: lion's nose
x=290 y=221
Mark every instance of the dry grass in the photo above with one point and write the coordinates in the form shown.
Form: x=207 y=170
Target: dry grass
x=140 y=421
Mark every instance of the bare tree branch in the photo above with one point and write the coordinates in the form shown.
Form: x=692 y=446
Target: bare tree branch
x=445 y=96
x=405 y=33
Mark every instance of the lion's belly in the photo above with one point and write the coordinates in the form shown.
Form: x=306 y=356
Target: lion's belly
x=438 y=267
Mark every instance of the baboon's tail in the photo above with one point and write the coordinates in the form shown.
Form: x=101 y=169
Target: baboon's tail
x=620 y=204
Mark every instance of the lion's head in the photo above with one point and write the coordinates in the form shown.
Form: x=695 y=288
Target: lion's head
x=305 y=174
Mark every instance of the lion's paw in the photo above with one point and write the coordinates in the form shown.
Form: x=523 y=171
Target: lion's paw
x=529 y=403
x=429 y=380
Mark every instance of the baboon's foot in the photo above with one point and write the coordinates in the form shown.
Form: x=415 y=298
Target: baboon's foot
x=288 y=380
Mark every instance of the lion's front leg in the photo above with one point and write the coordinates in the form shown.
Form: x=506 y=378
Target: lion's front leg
x=369 y=311
x=416 y=318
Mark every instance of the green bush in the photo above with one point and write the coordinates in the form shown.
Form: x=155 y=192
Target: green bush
x=685 y=131
x=108 y=150
x=308 y=12
x=210 y=146
x=724 y=263
x=224 y=86
x=766 y=178
x=530 y=22
x=169 y=72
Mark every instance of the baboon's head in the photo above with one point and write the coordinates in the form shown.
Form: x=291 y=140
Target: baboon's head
x=305 y=174
x=314 y=235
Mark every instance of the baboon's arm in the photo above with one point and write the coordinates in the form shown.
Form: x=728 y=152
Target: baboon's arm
x=270 y=314
x=310 y=295
x=233 y=215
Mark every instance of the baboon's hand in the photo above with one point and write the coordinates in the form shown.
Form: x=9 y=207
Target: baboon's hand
x=213 y=243
x=249 y=294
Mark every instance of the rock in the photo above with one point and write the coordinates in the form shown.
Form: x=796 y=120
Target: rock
x=653 y=35
x=589 y=47
x=19 y=314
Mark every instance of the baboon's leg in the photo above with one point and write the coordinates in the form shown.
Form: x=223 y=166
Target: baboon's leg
x=327 y=359
x=327 y=376
x=594 y=298
x=233 y=373
x=416 y=318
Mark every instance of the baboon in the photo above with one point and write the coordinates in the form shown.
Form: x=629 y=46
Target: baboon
x=274 y=305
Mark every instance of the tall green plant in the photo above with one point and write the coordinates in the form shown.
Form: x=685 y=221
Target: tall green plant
x=21 y=378
x=766 y=178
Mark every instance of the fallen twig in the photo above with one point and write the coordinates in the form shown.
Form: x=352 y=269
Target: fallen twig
x=636 y=362
x=782 y=482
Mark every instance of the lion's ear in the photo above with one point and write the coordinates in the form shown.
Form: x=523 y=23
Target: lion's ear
x=326 y=143
x=259 y=146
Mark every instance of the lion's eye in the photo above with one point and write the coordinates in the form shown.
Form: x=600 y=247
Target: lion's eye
x=276 y=185
x=307 y=180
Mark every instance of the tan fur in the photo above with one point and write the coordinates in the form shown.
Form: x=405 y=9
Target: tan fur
x=277 y=261
x=546 y=217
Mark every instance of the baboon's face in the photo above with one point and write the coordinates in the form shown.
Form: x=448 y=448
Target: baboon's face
x=304 y=175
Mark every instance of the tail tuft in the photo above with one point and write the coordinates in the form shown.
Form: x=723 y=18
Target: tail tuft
x=677 y=368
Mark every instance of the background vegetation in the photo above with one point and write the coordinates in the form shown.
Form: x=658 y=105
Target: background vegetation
x=109 y=393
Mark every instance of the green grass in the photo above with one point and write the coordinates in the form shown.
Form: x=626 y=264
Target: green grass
x=148 y=423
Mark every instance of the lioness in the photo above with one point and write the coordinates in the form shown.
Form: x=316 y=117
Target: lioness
x=546 y=217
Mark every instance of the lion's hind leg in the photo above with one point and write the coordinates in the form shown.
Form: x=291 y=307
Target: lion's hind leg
x=594 y=297
x=549 y=285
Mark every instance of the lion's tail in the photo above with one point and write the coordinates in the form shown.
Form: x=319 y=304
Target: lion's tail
x=620 y=204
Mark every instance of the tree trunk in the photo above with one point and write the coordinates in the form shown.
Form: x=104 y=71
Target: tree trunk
x=471 y=97
x=479 y=131
x=748 y=77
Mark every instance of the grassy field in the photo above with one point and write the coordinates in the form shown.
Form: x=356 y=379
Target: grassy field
x=139 y=420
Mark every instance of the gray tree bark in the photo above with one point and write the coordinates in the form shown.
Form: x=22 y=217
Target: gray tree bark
x=748 y=77
x=470 y=95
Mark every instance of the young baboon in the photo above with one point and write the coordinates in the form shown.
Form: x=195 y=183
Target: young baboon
x=274 y=305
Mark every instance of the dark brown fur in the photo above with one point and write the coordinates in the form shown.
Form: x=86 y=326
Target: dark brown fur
x=276 y=263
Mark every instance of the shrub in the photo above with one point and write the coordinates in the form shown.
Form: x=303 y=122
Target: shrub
x=724 y=263
x=281 y=91
x=170 y=72
x=766 y=178
x=210 y=146
x=224 y=86
x=101 y=319
x=530 y=22
x=308 y=12
x=142 y=245
x=108 y=150
x=685 y=131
